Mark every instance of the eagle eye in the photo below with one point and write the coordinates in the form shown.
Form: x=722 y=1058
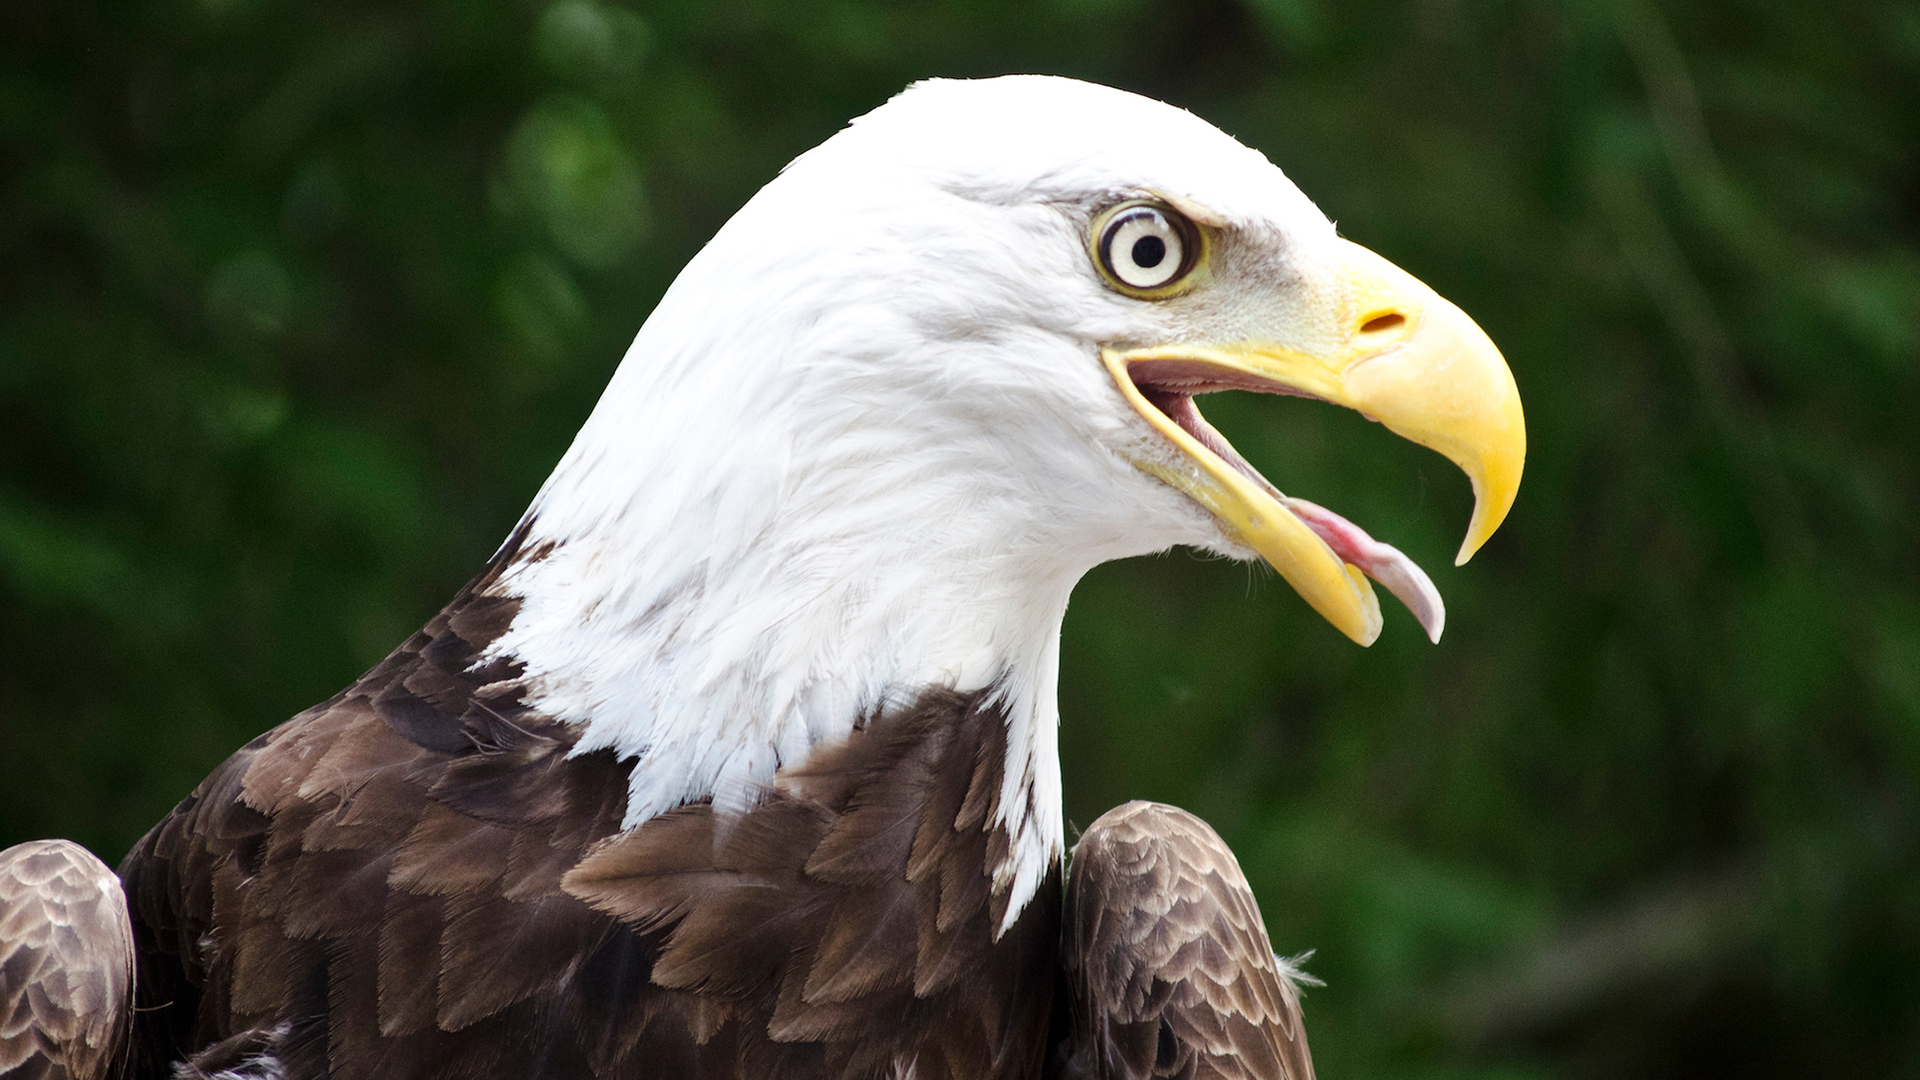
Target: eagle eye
x=1146 y=249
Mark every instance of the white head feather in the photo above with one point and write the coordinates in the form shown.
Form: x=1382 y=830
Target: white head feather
x=865 y=445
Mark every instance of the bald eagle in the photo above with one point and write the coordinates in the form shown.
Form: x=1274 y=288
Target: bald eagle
x=739 y=757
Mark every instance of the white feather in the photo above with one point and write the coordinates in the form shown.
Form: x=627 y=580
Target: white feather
x=865 y=446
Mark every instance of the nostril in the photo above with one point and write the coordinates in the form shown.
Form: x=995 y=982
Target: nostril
x=1382 y=322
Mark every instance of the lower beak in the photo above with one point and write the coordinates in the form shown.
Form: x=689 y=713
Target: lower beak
x=1398 y=353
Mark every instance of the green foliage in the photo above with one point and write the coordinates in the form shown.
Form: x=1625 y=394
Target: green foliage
x=298 y=304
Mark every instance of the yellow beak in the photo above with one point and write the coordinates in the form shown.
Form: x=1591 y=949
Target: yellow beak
x=1395 y=351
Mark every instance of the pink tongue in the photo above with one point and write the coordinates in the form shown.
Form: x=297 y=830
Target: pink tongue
x=1382 y=562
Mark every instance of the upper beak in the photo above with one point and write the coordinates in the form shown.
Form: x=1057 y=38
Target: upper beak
x=1395 y=351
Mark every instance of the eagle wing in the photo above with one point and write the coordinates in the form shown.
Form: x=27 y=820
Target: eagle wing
x=66 y=963
x=1168 y=969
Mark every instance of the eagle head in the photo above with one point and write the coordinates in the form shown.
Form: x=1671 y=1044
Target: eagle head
x=924 y=380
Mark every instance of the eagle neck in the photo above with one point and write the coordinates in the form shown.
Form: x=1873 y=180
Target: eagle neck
x=716 y=664
x=713 y=702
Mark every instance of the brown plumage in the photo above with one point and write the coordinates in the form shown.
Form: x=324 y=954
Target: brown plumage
x=415 y=879
x=1168 y=968
x=66 y=964
x=340 y=900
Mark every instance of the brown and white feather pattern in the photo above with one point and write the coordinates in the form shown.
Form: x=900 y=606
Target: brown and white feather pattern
x=1168 y=968
x=419 y=878
x=66 y=963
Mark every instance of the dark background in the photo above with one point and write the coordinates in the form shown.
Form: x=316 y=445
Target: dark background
x=299 y=303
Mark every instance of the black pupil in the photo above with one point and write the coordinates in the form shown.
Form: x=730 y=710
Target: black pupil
x=1148 y=251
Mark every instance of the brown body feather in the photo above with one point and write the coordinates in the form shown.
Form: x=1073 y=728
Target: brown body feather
x=1169 y=971
x=66 y=964
x=415 y=879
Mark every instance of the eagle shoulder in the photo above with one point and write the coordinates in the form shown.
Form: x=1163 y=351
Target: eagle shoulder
x=1168 y=970
x=66 y=963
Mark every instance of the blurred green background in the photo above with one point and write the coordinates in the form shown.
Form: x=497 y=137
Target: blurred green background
x=299 y=303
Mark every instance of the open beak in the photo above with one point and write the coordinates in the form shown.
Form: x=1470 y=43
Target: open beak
x=1396 y=352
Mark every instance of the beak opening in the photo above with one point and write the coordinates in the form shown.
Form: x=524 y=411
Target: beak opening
x=1406 y=358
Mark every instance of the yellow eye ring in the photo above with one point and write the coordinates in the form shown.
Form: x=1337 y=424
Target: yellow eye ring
x=1147 y=249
